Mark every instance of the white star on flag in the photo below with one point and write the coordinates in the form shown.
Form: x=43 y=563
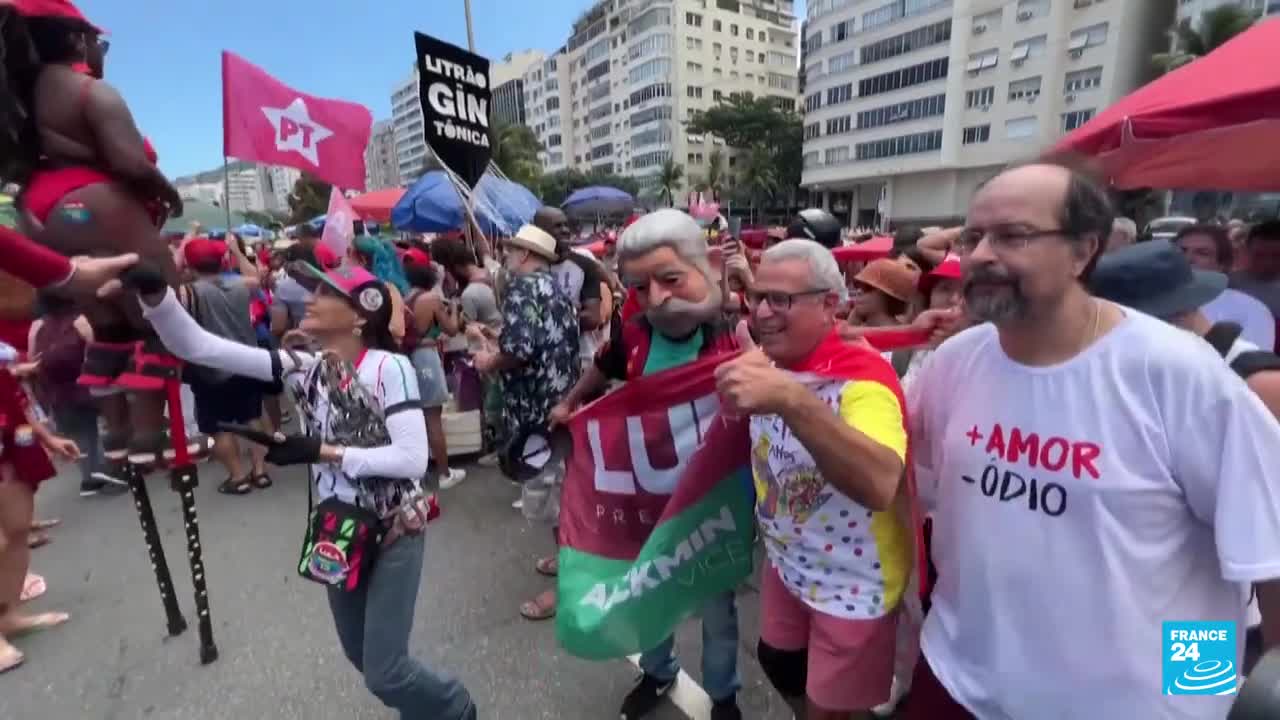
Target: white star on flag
x=296 y=131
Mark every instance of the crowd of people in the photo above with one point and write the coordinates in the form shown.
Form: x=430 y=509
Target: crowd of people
x=1087 y=421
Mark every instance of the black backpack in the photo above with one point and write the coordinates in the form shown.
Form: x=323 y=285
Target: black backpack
x=1224 y=334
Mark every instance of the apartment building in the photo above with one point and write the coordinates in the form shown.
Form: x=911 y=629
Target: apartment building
x=261 y=188
x=507 y=77
x=617 y=96
x=911 y=104
x=380 y=167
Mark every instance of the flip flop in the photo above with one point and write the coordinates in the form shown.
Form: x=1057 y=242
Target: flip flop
x=46 y=524
x=32 y=587
x=38 y=622
x=548 y=566
x=537 y=610
x=10 y=660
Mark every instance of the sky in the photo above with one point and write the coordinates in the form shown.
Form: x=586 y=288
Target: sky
x=164 y=55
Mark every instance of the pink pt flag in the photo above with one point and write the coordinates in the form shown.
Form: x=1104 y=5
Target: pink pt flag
x=266 y=121
x=339 y=224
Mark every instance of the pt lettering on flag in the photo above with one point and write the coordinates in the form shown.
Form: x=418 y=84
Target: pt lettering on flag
x=266 y=121
x=657 y=512
x=454 y=92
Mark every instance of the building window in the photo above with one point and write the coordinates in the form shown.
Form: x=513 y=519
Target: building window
x=598 y=71
x=835 y=155
x=694 y=91
x=733 y=30
x=1087 y=37
x=1082 y=80
x=903 y=112
x=813 y=43
x=814 y=130
x=553 y=103
x=661 y=112
x=1029 y=48
x=897 y=10
x=1027 y=89
x=901 y=145
x=651 y=18
x=554 y=140
x=891 y=47
x=1020 y=128
x=693 y=67
x=751 y=35
x=813 y=102
x=653 y=136
x=840 y=63
x=985 y=60
x=715 y=25
x=839 y=94
x=600 y=131
x=842 y=124
x=988 y=22
x=841 y=31
x=976 y=134
x=717 y=95
x=810 y=159
x=657 y=90
x=600 y=151
x=1075 y=118
x=660 y=42
x=693 y=43
x=693 y=20
x=906 y=77
x=1028 y=10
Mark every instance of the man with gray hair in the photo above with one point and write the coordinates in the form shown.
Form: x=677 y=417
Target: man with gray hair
x=829 y=444
x=1124 y=232
x=663 y=259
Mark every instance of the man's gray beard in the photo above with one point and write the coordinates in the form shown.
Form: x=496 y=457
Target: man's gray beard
x=677 y=318
x=995 y=308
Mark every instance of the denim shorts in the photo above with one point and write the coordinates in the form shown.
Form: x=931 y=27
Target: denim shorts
x=432 y=385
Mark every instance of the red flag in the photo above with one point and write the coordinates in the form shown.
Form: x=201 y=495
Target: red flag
x=267 y=121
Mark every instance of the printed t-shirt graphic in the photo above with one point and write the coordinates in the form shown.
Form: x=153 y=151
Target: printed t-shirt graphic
x=1077 y=507
x=839 y=557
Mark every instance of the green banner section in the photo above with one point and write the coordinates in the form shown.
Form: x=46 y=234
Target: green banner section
x=612 y=608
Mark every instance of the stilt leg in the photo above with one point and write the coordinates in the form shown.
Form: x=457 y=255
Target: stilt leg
x=142 y=501
x=184 y=478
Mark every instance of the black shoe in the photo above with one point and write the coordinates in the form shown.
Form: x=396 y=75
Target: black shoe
x=101 y=487
x=645 y=696
x=726 y=709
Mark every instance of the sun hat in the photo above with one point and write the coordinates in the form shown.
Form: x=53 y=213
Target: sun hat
x=889 y=277
x=1153 y=277
x=535 y=240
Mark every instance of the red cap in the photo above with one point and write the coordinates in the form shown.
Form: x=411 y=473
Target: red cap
x=948 y=269
x=202 y=251
x=62 y=9
x=326 y=257
x=414 y=256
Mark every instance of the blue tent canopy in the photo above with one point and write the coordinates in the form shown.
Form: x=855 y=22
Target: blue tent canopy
x=433 y=204
x=598 y=200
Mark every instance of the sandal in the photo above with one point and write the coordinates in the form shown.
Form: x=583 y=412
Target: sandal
x=33 y=586
x=542 y=607
x=548 y=566
x=236 y=487
x=38 y=540
x=262 y=481
x=34 y=623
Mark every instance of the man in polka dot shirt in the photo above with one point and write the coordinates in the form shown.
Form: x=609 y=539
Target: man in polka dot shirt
x=829 y=447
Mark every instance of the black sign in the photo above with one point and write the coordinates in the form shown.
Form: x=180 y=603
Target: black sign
x=453 y=88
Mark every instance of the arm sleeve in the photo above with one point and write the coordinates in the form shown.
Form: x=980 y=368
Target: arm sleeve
x=517 y=339
x=186 y=339
x=24 y=258
x=592 y=276
x=873 y=410
x=1224 y=460
x=406 y=456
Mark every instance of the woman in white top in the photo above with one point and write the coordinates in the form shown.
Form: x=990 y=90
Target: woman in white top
x=366 y=444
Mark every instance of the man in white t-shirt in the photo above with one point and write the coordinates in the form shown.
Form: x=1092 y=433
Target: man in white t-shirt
x=1208 y=247
x=1093 y=472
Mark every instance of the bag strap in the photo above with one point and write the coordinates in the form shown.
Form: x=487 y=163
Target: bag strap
x=1248 y=363
x=1222 y=336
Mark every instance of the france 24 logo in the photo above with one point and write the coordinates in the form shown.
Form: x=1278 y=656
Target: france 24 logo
x=1200 y=658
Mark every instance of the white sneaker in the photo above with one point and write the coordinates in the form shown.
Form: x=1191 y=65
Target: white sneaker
x=518 y=504
x=896 y=693
x=453 y=479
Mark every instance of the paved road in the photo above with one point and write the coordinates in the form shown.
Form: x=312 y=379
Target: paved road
x=279 y=655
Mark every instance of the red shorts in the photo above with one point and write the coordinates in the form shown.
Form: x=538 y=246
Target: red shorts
x=850 y=662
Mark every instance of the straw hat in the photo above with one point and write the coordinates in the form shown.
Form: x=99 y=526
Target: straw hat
x=535 y=240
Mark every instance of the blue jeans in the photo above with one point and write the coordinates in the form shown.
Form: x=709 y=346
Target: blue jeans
x=373 y=626
x=719 y=651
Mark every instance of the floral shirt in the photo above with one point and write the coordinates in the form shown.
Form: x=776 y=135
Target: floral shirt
x=539 y=328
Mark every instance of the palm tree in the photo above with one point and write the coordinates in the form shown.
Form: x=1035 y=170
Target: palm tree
x=515 y=152
x=670 y=178
x=1191 y=42
x=758 y=176
x=716 y=176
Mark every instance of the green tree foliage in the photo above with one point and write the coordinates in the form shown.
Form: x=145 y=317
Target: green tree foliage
x=1191 y=42
x=758 y=178
x=670 y=179
x=748 y=122
x=310 y=197
x=555 y=187
x=515 y=152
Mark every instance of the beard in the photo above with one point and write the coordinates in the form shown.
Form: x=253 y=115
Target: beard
x=993 y=296
x=678 y=318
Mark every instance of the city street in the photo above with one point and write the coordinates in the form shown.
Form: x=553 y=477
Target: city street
x=279 y=655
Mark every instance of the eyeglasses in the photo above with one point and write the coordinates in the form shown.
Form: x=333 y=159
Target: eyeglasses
x=779 y=301
x=1002 y=238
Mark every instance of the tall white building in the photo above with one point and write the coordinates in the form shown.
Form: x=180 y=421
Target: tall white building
x=911 y=104
x=380 y=167
x=617 y=96
x=262 y=188
x=506 y=77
